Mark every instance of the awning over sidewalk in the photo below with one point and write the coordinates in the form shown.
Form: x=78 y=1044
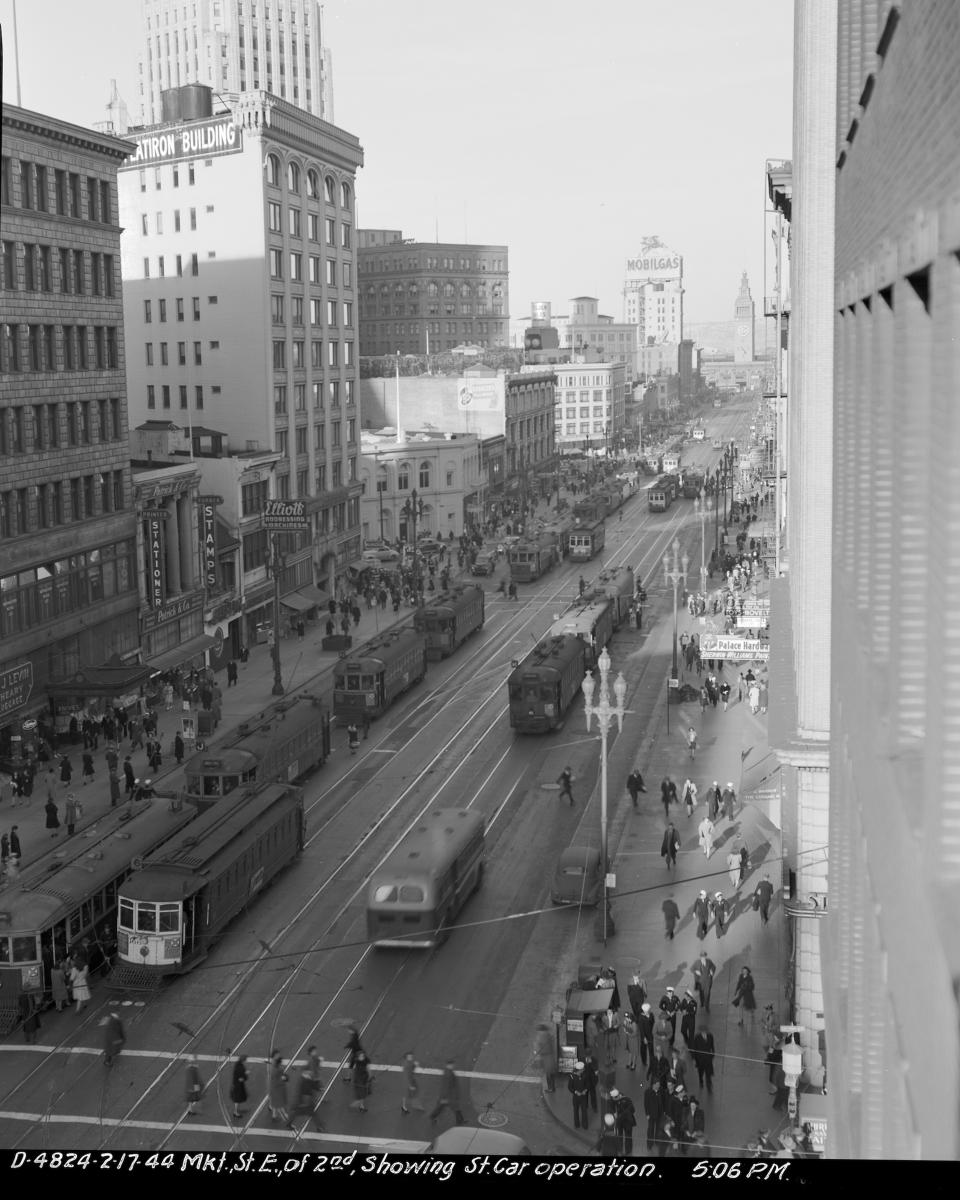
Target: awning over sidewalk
x=114 y=679
x=180 y=654
x=296 y=602
x=314 y=594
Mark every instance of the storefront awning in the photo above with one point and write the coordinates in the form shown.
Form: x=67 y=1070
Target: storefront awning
x=296 y=602
x=111 y=680
x=314 y=594
x=180 y=654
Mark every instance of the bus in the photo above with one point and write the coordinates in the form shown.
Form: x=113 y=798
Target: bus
x=416 y=893
x=699 y=433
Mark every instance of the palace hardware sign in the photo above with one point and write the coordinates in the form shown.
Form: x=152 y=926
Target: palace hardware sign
x=208 y=527
x=284 y=515
x=716 y=646
x=198 y=139
x=16 y=684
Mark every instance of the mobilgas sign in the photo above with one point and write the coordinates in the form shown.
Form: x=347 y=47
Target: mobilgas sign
x=199 y=139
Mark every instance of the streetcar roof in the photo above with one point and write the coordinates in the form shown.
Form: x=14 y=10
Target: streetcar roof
x=437 y=837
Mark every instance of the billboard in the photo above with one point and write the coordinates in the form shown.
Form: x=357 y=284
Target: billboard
x=198 y=139
x=281 y=515
x=474 y=395
x=654 y=260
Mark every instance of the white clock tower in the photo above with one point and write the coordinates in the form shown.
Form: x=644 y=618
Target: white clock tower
x=743 y=345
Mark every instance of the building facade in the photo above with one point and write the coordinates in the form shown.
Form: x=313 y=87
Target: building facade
x=68 y=564
x=653 y=292
x=429 y=297
x=744 y=315
x=240 y=300
x=584 y=329
x=235 y=46
x=590 y=400
x=438 y=473
x=894 y=828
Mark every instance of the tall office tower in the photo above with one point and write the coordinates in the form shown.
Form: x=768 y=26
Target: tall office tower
x=743 y=347
x=235 y=46
x=653 y=293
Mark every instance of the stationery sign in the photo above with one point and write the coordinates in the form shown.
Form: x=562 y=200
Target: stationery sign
x=208 y=539
x=155 y=518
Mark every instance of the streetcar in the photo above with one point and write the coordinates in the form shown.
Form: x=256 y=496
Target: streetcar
x=449 y=619
x=613 y=497
x=416 y=893
x=619 y=585
x=559 y=528
x=587 y=539
x=592 y=623
x=590 y=508
x=659 y=495
x=287 y=741
x=542 y=687
x=368 y=681
x=693 y=482
x=534 y=556
x=173 y=908
x=699 y=433
x=67 y=902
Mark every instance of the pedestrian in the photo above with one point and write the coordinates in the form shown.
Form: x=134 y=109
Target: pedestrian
x=740 y=688
x=671 y=915
x=353 y=737
x=669 y=846
x=301 y=630
x=693 y=1126
x=645 y=1027
x=609 y=1025
x=678 y=1072
x=244 y=656
x=729 y=801
x=704 y=699
x=114 y=780
x=156 y=758
x=689 y=797
x=725 y=694
x=58 y=985
x=80 y=986
x=544 y=1048
x=449 y=1096
x=753 y=696
x=688 y=1017
x=744 y=996
x=194 y=1085
x=312 y=1072
x=277 y=1080
x=178 y=747
x=231 y=673
x=592 y=1076
x=626 y=1121
x=15 y=851
x=565 y=778
x=733 y=866
x=720 y=910
x=713 y=800
x=653 y=1111
x=763 y=894
x=635 y=785
x=703 y=1051
x=577 y=1087
x=692 y=741
x=668 y=792
x=411 y=1086
x=704 y=970
x=353 y=1048
x=4 y=847
x=66 y=771
x=114 y=1037
x=608 y=1143
x=71 y=812
x=238 y=1085
x=662 y=1032
x=701 y=913
x=705 y=836
x=53 y=819
x=631 y=1037
x=128 y=775
x=31 y=1019
x=744 y=865
x=670 y=1004
x=763 y=695
x=636 y=994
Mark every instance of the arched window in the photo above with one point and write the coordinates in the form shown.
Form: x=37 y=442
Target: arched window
x=465 y=290
x=403 y=477
x=432 y=290
x=413 y=290
x=424 y=475
x=329 y=190
x=345 y=196
x=273 y=170
x=293 y=178
x=449 y=289
x=398 y=289
x=313 y=184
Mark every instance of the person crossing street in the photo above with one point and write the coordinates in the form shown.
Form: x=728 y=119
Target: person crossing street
x=565 y=779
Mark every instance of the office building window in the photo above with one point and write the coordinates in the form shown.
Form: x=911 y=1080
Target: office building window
x=9 y=266
x=193 y=218
x=276 y=264
x=166 y=395
x=163 y=355
x=315 y=276
x=196 y=308
x=181 y=354
x=197 y=354
x=198 y=397
x=296 y=267
x=293 y=222
x=333 y=391
x=276 y=309
x=297 y=355
x=161 y=267
x=194 y=265
x=296 y=310
x=162 y=310
x=183 y=395
x=179 y=308
x=274 y=217
x=345 y=235
x=316 y=312
x=330 y=231
x=279 y=355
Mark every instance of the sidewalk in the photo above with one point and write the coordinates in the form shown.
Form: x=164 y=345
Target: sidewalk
x=732 y=747
x=253 y=694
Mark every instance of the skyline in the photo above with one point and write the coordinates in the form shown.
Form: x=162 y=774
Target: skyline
x=556 y=142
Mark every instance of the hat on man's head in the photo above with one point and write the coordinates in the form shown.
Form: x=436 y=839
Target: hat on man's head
x=669 y=987
x=614 y=1094
x=729 y=784
x=645 y=1008
x=702 y=892
x=578 y=1066
x=608 y=1120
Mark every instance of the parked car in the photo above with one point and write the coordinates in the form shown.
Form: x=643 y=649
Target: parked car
x=429 y=545
x=484 y=563
x=578 y=877
x=382 y=554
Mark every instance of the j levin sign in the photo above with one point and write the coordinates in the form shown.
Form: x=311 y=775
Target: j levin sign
x=714 y=645
x=16 y=684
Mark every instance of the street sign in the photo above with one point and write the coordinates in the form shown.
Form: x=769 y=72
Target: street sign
x=281 y=515
x=674 y=683
x=717 y=646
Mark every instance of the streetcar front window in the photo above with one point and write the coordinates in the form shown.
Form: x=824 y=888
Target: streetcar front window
x=4 y=950
x=411 y=894
x=353 y=683
x=25 y=949
x=516 y=691
x=169 y=918
x=126 y=913
x=366 y=682
x=230 y=782
x=146 y=918
x=386 y=894
x=194 y=784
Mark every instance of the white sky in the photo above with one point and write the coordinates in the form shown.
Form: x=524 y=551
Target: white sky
x=565 y=131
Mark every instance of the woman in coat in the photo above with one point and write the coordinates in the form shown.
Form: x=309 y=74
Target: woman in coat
x=66 y=770
x=194 y=1086
x=80 y=986
x=238 y=1085
x=743 y=996
x=53 y=818
x=631 y=1034
x=361 y=1082
x=58 y=986
x=277 y=1089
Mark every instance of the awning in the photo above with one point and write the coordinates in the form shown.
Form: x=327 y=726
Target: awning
x=180 y=654
x=111 y=680
x=314 y=594
x=296 y=602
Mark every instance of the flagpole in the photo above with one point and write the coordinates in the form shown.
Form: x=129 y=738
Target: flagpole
x=399 y=431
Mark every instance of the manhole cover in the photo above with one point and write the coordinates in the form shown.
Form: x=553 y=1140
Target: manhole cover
x=493 y=1119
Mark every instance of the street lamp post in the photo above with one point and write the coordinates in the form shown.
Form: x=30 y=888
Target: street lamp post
x=604 y=711
x=276 y=569
x=413 y=510
x=716 y=514
x=379 y=494
x=702 y=511
x=675 y=574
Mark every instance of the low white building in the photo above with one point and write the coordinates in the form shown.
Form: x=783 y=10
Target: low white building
x=417 y=483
